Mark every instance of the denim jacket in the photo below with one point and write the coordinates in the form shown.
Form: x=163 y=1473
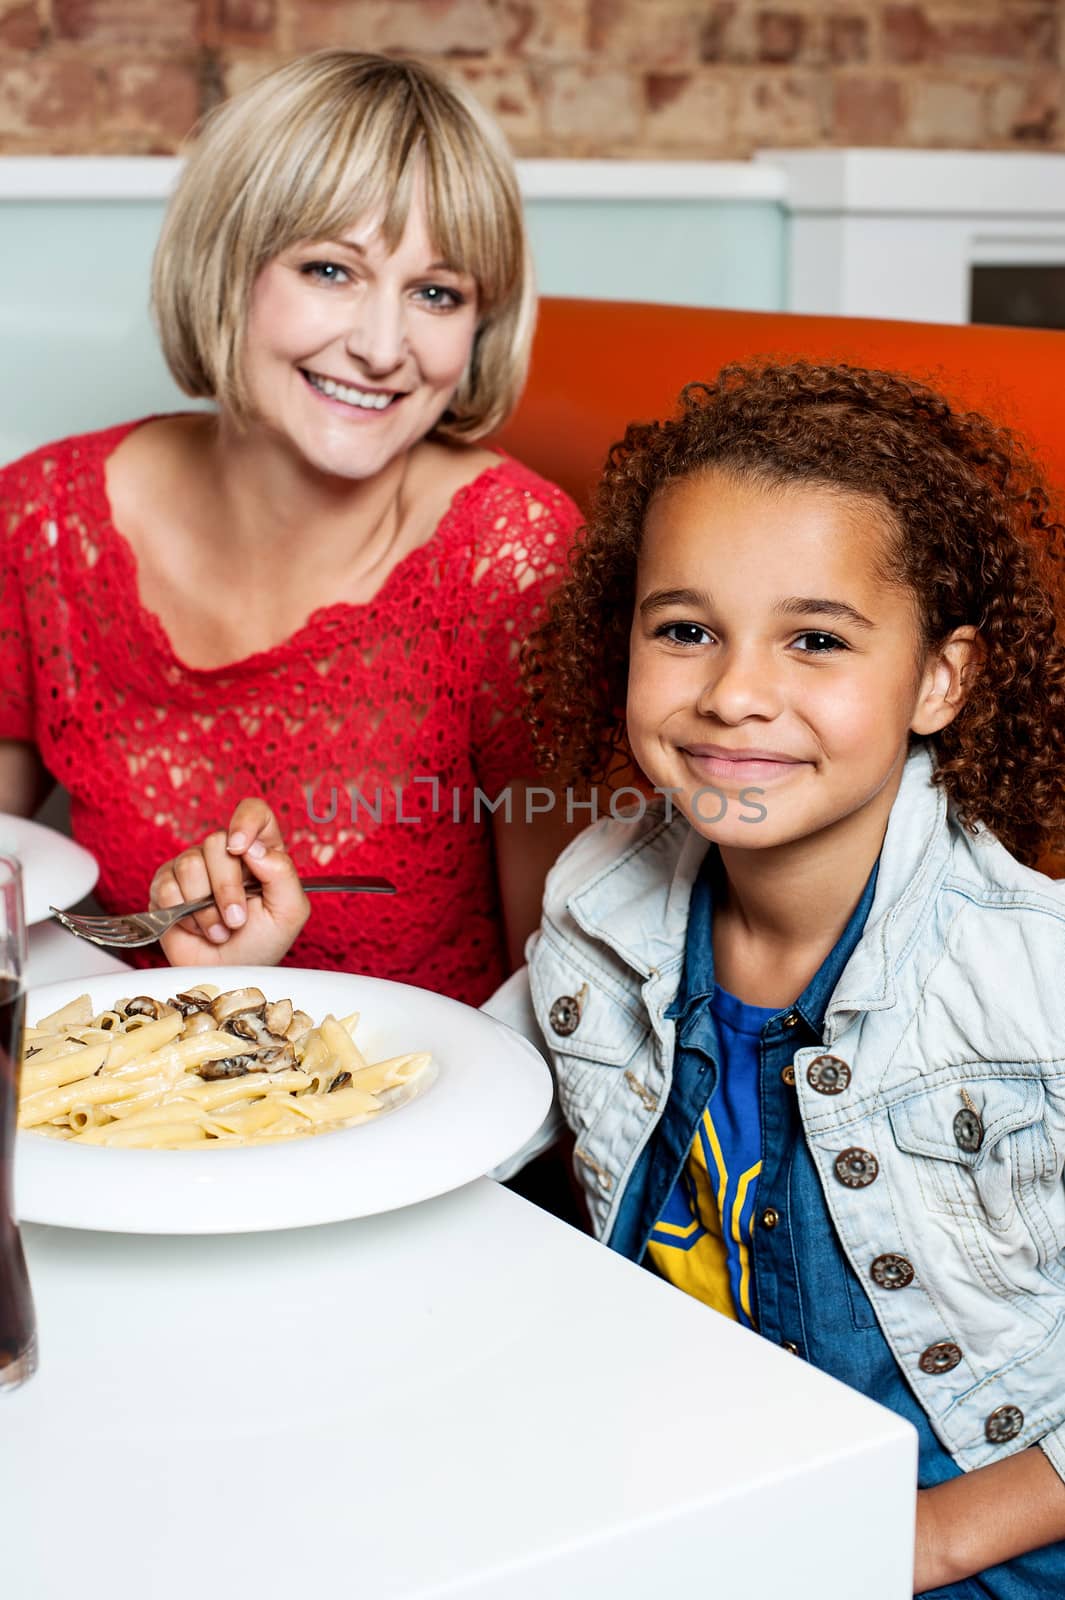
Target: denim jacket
x=942 y=1054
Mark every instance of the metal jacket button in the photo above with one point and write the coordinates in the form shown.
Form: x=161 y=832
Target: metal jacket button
x=940 y=1358
x=891 y=1272
x=565 y=1014
x=1004 y=1424
x=787 y=1074
x=857 y=1168
x=968 y=1131
x=828 y=1075
x=790 y=1346
x=770 y=1217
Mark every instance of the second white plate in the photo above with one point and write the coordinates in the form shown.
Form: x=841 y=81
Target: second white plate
x=492 y=1093
x=55 y=870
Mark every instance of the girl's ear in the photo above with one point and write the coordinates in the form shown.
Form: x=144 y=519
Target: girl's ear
x=947 y=678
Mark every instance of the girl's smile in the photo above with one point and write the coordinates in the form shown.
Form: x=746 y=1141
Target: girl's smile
x=740 y=763
x=771 y=650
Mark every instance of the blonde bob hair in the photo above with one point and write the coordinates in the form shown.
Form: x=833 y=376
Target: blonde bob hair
x=303 y=154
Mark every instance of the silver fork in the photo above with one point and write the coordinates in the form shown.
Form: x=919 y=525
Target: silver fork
x=133 y=928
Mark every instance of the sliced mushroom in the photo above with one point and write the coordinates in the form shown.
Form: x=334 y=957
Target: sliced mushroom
x=277 y=1058
x=252 y=1027
x=142 y=1005
x=191 y=1001
x=301 y=1023
x=244 y=1028
x=238 y=1003
x=199 y=1022
x=339 y=1082
x=278 y=1018
x=211 y=1071
x=231 y=1067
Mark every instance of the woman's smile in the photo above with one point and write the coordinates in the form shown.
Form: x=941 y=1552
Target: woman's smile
x=350 y=396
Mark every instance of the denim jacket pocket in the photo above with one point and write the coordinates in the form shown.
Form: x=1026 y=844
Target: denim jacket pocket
x=594 y=1031
x=977 y=1142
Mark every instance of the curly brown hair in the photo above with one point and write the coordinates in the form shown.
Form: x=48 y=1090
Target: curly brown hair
x=975 y=541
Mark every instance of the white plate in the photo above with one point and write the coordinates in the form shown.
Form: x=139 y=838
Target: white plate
x=492 y=1093
x=55 y=870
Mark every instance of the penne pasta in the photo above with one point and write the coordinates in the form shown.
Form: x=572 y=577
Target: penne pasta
x=175 y=1137
x=243 y=1121
x=388 y=1074
x=127 y=1047
x=338 y=1106
x=79 y=1010
x=53 y=1072
x=201 y=1071
x=341 y=1046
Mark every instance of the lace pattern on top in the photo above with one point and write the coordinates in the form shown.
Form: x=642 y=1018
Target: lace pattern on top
x=367 y=730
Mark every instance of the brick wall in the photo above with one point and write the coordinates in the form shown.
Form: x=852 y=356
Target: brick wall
x=714 y=78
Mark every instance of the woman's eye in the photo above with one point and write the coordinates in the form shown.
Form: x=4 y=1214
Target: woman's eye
x=689 y=633
x=819 y=644
x=440 y=298
x=324 y=271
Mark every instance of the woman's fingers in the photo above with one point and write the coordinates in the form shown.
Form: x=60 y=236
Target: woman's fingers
x=189 y=877
x=253 y=824
x=257 y=931
x=166 y=891
x=272 y=919
x=226 y=874
x=193 y=879
x=283 y=899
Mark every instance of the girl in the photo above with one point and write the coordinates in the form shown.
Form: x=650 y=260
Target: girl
x=806 y=1009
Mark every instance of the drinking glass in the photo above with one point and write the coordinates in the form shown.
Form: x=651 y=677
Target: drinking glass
x=18 y=1326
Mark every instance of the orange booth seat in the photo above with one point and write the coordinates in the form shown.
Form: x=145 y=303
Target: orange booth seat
x=597 y=365
x=600 y=364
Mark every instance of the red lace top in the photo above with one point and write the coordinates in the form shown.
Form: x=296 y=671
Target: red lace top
x=368 y=730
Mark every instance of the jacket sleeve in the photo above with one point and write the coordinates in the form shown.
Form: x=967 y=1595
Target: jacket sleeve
x=512 y=1004
x=1053 y=1447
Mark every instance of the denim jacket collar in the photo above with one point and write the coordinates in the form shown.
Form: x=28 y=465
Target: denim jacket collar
x=697 y=984
x=914 y=860
x=637 y=904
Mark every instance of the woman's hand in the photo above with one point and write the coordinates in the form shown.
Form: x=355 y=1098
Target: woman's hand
x=236 y=930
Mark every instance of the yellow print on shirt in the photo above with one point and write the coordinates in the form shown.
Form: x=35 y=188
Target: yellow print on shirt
x=689 y=1246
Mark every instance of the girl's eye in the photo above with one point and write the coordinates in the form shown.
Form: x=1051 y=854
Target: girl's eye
x=820 y=644
x=687 y=633
x=440 y=298
x=324 y=272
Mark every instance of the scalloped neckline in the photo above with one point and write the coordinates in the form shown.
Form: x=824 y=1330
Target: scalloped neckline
x=108 y=441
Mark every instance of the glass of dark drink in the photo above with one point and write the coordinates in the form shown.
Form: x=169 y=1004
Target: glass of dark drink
x=18 y=1326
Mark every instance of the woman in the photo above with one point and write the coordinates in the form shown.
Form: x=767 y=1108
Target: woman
x=316 y=592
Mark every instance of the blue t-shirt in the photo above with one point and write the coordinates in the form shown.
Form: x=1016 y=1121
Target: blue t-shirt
x=702 y=1239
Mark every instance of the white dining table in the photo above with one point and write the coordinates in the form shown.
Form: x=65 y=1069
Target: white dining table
x=466 y=1397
